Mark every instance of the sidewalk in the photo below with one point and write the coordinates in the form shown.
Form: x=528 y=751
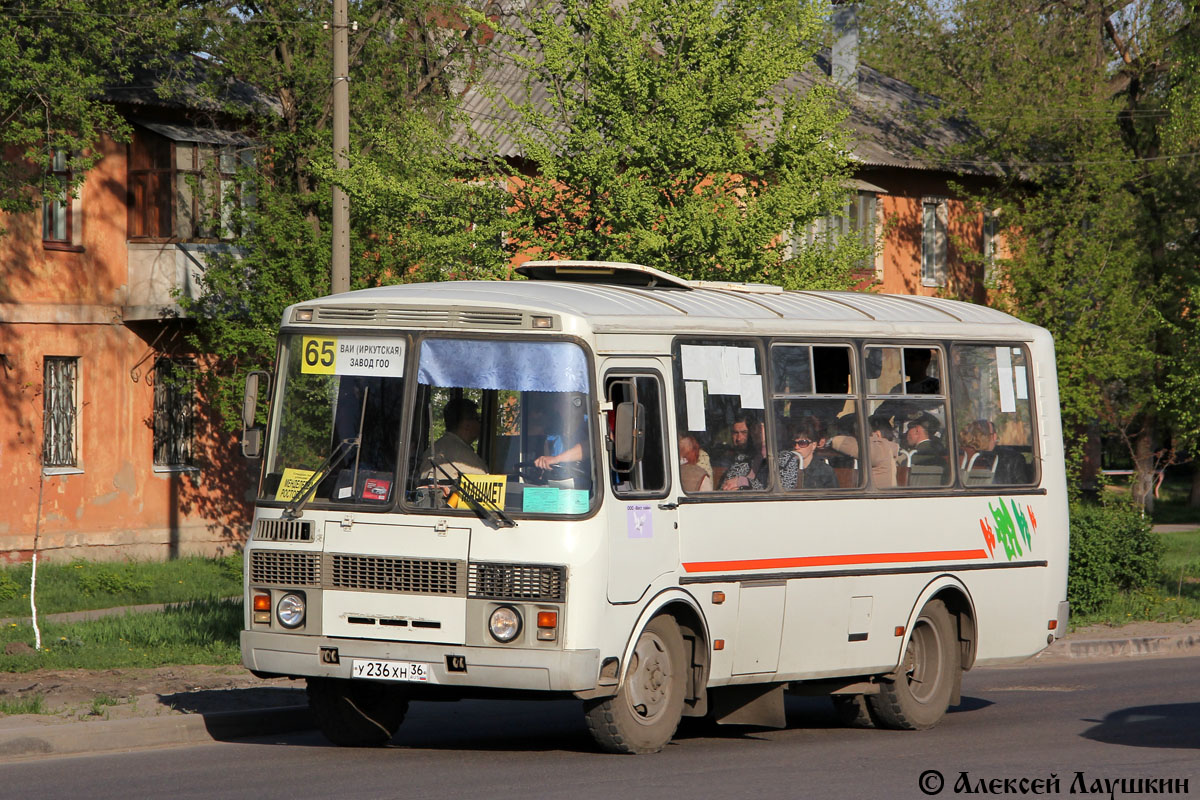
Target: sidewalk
x=192 y=705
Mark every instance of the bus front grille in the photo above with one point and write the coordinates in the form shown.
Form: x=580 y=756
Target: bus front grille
x=285 y=568
x=517 y=582
x=283 y=530
x=382 y=574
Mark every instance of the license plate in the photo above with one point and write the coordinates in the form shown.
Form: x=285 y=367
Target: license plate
x=392 y=671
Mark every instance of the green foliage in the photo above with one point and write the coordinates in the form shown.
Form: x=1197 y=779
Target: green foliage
x=1091 y=116
x=678 y=135
x=202 y=632
x=8 y=587
x=57 y=59
x=83 y=585
x=415 y=213
x=1112 y=550
x=108 y=579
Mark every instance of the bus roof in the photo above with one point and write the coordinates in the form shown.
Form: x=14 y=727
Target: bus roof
x=615 y=298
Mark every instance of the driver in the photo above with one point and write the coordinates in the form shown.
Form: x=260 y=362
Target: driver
x=556 y=436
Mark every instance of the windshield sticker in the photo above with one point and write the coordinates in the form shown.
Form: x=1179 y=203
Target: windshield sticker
x=486 y=489
x=551 y=500
x=694 y=392
x=352 y=355
x=291 y=483
x=638 y=522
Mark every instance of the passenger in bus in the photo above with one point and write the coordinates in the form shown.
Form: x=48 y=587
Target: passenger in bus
x=981 y=455
x=691 y=472
x=748 y=468
x=453 y=450
x=922 y=449
x=881 y=446
x=916 y=365
x=801 y=467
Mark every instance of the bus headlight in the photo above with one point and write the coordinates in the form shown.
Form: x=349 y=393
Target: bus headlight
x=290 y=610
x=504 y=624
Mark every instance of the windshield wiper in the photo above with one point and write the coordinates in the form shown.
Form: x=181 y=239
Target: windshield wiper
x=293 y=509
x=489 y=512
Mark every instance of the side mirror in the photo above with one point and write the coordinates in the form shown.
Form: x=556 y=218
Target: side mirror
x=251 y=433
x=252 y=442
x=629 y=443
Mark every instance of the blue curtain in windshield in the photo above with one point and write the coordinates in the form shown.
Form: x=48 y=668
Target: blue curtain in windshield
x=518 y=366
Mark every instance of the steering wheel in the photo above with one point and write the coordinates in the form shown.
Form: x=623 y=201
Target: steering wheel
x=539 y=476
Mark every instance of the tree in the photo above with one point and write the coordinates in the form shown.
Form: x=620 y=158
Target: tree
x=416 y=213
x=58 y=60
x=677 y=134
x=1090 y=107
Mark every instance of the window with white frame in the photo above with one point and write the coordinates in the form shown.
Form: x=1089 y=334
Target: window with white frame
x=60 y=423
x=934 y=245
x=174 y=412
x=857 y=218
x=56 y=200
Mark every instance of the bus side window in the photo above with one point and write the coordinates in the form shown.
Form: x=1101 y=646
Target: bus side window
x=720 y=409
x=906 y=403
x=650 y=473
x=993 y=415
x=816 y=417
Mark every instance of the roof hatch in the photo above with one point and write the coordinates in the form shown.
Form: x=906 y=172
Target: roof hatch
x=612 y=273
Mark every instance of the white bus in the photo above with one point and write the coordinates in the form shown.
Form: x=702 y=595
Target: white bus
x=664 y=498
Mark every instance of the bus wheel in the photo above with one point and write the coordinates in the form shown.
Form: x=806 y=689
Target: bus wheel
x=356 y=713
x=645 y=712
x=852 y=710
x=917 y=695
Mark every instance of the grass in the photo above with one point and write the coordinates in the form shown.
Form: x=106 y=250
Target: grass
x=1174 y=597
x=85 y=585
x=31 y=704
x=199 y=632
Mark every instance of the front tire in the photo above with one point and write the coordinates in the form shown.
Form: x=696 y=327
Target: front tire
x=917 y=695
x=645 y=712
x=356 y=713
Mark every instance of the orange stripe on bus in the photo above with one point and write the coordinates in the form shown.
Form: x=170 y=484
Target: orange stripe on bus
x=833 y=561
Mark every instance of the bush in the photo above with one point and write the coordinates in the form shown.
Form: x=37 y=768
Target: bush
x=95 y=578
x=1112 y=550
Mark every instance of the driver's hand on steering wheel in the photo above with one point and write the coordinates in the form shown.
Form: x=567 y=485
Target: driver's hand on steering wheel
x=544 y=462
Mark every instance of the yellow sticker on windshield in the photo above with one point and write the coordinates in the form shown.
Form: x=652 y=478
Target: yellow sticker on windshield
x=318 y=355
x=488 y=490
x=291 y=483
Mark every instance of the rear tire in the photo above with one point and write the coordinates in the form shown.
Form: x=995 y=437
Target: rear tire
x=356 y=713
x=644 y=714
x=917 y=695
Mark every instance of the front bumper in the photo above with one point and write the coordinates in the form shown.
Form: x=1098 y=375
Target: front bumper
x=486 y=667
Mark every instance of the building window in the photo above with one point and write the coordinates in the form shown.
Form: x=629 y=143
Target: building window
x=59 y=412
x=56 y=200
x=991 y=226
x=933 y=242
x=149 y=186
x=186 y=190
x=857 y=218
x=174 y=412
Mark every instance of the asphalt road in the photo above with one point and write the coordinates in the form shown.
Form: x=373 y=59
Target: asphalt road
x=1107 y=720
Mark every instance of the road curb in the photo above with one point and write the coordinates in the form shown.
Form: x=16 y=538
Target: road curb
x=1181 y=644
x=132 y=734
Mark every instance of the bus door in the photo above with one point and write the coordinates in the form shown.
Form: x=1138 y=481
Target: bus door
x=642 y=527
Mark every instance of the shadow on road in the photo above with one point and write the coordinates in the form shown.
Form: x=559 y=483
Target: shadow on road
x=1174 y=725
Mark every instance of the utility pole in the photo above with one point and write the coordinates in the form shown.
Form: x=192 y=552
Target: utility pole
x=341 y=144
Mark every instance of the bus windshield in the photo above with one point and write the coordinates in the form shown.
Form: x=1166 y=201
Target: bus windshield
x=336 y=433
x=505 y=420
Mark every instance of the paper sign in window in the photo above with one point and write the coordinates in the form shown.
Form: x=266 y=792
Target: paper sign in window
x=752 y=391
x=694 y=394
x=1004 y=376
x=488 y=490
x=291 y=483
